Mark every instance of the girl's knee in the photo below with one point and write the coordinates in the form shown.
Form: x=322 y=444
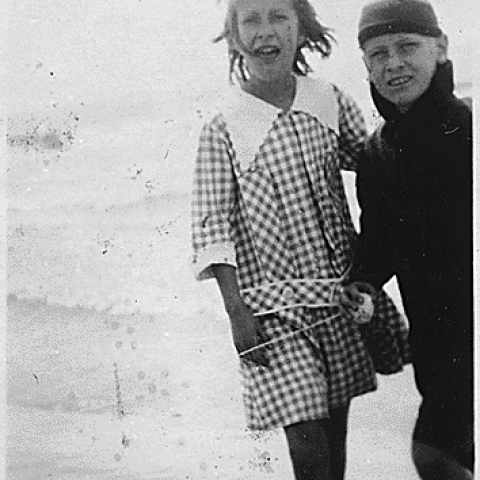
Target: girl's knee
x=308 y=446
x=309 y=457
x=336 y=427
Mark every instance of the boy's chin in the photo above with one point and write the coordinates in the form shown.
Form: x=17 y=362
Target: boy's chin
x=404 y=100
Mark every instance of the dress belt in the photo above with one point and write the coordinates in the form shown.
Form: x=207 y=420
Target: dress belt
x=286 y=294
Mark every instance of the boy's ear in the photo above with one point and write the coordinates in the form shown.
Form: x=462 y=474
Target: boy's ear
x=364 y=58
x=442 y=45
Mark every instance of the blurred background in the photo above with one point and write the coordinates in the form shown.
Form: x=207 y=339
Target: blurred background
x=135 y=50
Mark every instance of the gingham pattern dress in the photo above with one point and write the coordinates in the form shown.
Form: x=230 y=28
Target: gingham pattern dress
x=268 y=199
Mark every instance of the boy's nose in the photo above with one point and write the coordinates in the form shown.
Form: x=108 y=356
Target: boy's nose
x=394 y=60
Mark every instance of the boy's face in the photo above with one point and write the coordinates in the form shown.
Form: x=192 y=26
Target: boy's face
x=268 y=36
x=401 y=65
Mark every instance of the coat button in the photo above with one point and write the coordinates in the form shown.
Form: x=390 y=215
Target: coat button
x=288 y=294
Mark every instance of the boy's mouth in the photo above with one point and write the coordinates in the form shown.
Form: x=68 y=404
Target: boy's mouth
x=399 y=81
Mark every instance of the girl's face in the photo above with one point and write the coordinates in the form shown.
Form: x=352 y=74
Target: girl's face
x=268 y=34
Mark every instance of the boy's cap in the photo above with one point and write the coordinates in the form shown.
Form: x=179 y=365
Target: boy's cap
x=397 y=16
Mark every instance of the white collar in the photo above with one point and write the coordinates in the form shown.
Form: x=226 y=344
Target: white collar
x=249 y=118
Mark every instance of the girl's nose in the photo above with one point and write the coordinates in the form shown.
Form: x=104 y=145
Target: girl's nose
x=265 y=30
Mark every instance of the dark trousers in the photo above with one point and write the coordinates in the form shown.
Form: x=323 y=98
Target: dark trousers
x=445 y=417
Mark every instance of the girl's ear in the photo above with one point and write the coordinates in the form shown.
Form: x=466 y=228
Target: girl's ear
x=301 y=40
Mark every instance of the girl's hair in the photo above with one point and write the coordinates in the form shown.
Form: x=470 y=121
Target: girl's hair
x=317 y=38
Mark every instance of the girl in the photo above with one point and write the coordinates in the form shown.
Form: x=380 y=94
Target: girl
x=270 y=222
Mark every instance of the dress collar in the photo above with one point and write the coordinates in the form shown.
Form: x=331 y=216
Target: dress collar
x=313 y=96
x=249 y=118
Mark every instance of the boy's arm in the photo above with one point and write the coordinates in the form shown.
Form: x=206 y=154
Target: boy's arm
x=374 y=259
x=374 y=255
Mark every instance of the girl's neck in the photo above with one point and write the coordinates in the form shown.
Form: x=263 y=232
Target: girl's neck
x=279 y=93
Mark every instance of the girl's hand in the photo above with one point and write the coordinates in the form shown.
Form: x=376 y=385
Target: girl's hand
x=247 y=334
x=245 y=327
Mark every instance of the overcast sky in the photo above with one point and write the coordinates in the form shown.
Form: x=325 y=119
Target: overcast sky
x=84 y=50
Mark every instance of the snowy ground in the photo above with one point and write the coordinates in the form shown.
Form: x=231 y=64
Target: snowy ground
x=97 y=396
x=119 y=364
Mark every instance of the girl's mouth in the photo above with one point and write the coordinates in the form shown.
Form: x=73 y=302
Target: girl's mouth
x=267 y=51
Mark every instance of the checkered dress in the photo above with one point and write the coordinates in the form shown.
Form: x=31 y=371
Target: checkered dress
x=281 y=217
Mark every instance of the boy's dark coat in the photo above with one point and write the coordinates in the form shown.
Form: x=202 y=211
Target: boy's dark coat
x=414 y=185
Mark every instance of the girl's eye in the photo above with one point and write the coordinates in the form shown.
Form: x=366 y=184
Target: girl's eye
x=251 y=20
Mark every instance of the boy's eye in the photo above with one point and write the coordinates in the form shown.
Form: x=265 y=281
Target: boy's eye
x=407 y=48
x=377 y=54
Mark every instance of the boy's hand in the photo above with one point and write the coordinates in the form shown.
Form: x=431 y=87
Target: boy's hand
x=247 y=334
x=351 y=296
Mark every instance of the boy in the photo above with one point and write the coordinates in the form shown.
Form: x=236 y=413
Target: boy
x=414 y=185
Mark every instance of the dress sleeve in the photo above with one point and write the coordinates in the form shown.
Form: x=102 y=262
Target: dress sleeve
x=213 y=200
x=352 y=131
